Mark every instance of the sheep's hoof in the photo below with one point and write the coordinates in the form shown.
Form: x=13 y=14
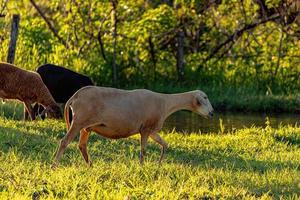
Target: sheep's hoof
x=160 y=161
x=142 y=162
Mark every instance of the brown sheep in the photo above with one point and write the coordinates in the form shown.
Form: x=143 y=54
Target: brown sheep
x=116 y=113
x=28 y=87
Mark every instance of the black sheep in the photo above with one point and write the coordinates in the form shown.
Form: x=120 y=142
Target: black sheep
x=61 y=82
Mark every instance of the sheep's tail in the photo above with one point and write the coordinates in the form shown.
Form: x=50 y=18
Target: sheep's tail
x=66 y=113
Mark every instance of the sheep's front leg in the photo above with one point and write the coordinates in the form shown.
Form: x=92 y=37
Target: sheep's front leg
x=29 y=109
x=144 y=139
x=160 y=141
x=26 y=114
x=84 y=136
x=38 y=110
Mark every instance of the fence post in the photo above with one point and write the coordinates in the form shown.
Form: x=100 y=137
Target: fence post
x=13 y=38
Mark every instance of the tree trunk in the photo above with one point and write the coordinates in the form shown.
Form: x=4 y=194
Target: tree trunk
x=153 y=57
x=114 y=34
x=13 y=39
x=180 y=55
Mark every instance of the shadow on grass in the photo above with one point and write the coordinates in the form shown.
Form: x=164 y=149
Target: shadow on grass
x=41 y=147
x=288 y=139
x=110 y=150
x=28 y=145
x=215 y=159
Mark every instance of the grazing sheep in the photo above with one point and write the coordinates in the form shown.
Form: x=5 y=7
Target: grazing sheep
x=61 y=82
x=28 y=87
x=115 y=113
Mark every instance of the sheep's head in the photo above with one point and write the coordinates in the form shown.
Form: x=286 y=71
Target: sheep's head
x=201 y=104
x=53 y=112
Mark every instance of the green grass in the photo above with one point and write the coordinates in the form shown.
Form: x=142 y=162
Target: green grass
x=11 y=109
x=245 y=164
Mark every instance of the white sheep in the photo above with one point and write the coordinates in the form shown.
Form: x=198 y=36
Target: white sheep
x=116 y=113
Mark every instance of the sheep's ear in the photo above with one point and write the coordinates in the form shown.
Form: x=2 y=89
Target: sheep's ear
x=198 y=101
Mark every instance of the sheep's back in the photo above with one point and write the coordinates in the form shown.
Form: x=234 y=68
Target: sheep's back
x=20 y=84
x=123 y=106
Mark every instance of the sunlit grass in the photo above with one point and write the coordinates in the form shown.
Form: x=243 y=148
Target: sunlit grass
x=11 y=109
x=249 y=163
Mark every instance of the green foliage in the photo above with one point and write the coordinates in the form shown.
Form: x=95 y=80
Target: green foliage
x=256 y=61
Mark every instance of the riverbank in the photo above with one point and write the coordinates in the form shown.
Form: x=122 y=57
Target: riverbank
x=259 y=103
x=248 y=163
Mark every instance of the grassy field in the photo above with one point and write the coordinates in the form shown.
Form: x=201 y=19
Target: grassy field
x=252 y=163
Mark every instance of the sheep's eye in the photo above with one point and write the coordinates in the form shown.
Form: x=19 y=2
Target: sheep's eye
x=205 y=97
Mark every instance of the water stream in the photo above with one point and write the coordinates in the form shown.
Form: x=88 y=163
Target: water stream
x=187 y=122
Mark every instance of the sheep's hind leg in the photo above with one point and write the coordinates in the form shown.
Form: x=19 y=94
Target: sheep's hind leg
x=65 y=142
x=160 y=141
x=144 y=140
x=84 y=136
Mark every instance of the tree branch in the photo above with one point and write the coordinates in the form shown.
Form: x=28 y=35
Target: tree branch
x=51 y=27
x=239 y=33
x=99 y=36
x=246 y=19
x=279 y=54
x=3 y=6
